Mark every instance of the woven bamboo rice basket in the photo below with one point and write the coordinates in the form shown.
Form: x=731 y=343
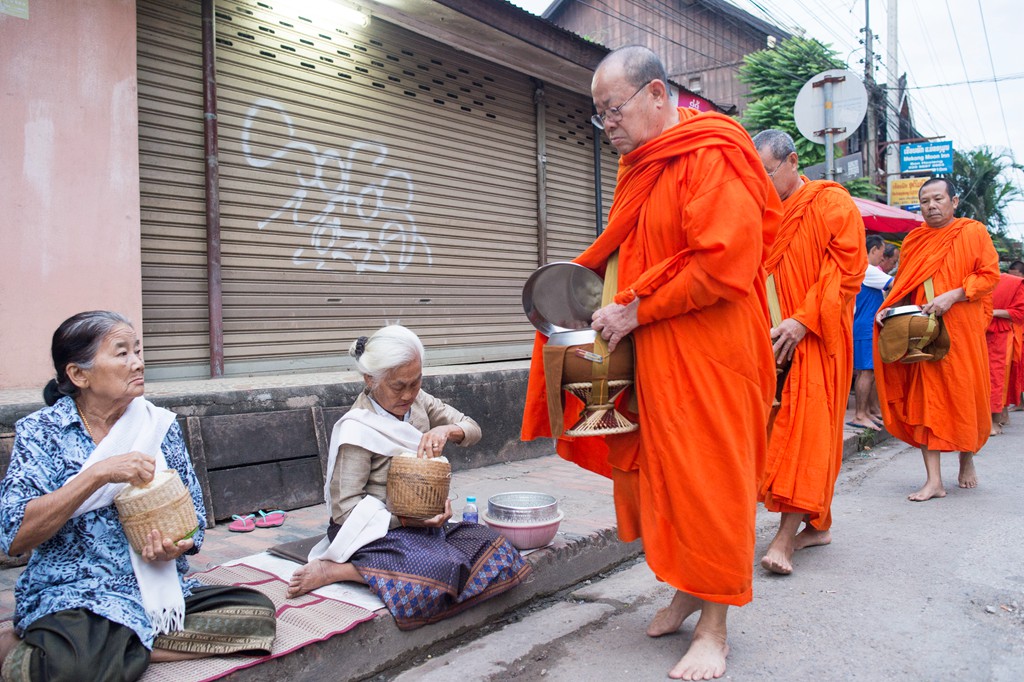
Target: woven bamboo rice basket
x=418 y=487
x=163 y=504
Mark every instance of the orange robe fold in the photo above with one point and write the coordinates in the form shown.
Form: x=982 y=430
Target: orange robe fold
x=693 y=215
x=943 y=405
x=1004 y=338
x=818 y=261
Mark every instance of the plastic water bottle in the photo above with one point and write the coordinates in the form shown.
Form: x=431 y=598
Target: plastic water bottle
x=469 y=512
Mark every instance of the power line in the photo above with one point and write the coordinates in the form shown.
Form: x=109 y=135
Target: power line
x=956 y=39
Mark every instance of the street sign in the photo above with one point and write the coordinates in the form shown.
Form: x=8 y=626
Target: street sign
x=848 y=105
x=903 y=191
x=847 y=168
x=927 y=157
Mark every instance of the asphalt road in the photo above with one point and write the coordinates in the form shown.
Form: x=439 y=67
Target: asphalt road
x=906 y=591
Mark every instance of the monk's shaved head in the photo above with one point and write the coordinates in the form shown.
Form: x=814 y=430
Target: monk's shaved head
x=950 y=189
x=1017 y=268
x=777 y=142
x=639 y=65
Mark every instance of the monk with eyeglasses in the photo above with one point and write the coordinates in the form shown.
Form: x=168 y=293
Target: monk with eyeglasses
x=693 y=214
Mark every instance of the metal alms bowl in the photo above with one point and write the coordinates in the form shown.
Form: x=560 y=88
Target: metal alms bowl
x=902 y=310
x=522 y=507
x=561 y=297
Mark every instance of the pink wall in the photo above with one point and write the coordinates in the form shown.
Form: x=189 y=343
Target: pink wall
x=69 y=175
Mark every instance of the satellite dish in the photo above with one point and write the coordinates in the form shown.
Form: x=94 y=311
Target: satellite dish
x=849 y=104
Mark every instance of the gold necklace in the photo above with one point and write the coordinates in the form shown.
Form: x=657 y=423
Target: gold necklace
x=88 y=429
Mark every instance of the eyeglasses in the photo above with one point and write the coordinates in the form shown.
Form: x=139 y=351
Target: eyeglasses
x=614 y=114
x=772 y=174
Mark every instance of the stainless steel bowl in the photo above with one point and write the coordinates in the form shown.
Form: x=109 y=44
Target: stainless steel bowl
x=522 y=507
x=902 y=310
x=561 y=297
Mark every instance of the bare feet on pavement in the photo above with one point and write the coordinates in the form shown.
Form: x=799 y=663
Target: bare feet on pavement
x=669 y=619
x=968 y=477
x=812 y=537
x=864 y=422
x=704 y=660
x=779 y=556
x=927 y=492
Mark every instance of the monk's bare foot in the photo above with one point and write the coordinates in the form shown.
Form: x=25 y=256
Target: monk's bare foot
x=864 y=422
x=997 y=430
x=1004 y=416
x=811 y=537
x=307 y=578
x=968 y=477
x=927 y=492
x=669 y=619
x=778 y=558
x=704 y=660
x=8 y=640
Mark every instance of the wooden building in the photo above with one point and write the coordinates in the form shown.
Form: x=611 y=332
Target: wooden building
x=702 y=42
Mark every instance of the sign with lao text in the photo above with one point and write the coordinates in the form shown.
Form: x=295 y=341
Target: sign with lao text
x=903 y=191
x=927 y=157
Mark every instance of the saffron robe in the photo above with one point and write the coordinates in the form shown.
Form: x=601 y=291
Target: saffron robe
x=943 y=405
x=693 y=215
x=1004 y=338
x=818 y=261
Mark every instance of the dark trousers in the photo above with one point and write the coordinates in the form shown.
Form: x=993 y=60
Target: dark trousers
x=77 y=645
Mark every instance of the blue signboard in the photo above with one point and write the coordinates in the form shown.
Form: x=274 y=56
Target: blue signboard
x=927 y=157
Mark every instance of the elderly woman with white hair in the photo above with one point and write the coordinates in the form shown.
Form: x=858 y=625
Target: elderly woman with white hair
x=448 y=566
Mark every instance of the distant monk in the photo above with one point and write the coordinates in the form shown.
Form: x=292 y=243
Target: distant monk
x=1017 y=270
x=1004 y=347
x=943 y=406
x=816 y=263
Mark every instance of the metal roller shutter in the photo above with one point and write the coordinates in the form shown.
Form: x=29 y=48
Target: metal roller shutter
x=172 y=198
x=369 y=176
x=570 y=173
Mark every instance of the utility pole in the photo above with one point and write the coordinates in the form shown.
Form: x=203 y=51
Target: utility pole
x=892 y=151
x=871 y=146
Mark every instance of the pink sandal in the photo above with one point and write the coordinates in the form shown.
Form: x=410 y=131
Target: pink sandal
x=270 y=519
x=242 y=524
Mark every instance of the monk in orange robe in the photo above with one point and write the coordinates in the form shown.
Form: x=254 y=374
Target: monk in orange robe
x=1004 y=347
x=692 y=217
x=943 y=406
x=1017 y=387
x=816 y=265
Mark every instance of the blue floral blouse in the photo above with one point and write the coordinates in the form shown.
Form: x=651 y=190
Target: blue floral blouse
x=86 y=564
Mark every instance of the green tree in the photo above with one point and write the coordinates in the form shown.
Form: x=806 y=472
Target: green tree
x=775 y=77
x=981 y=177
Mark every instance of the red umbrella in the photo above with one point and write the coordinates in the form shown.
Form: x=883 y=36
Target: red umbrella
x=886 y=219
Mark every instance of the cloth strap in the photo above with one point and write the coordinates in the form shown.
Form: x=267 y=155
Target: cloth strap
x=933 y=322
x=142 y=428
x=599 y=376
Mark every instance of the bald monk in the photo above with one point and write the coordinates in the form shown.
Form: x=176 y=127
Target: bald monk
x=817 y=264
x=692 y=215
x=943 y=406
x=1004 y=336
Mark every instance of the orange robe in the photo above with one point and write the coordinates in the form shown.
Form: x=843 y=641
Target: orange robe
x=1004 y=342
x=818 y=260
x=943 y=405
x=693 y=215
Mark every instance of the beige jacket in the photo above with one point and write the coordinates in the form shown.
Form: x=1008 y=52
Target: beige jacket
x=359 y=472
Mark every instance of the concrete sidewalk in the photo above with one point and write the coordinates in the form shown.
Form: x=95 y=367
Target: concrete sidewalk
x=586 y=545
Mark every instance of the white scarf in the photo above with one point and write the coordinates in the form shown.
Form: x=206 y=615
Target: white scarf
x=370 y=519
x=141 y=428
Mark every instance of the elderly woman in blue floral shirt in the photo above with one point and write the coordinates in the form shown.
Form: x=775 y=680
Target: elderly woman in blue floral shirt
x=86 y=601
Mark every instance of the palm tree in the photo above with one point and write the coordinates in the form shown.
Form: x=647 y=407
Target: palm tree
x=980 y=177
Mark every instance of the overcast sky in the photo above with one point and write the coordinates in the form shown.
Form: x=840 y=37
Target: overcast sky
x=964 y=87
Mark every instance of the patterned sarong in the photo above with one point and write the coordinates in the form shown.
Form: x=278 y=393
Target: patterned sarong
x=424 y=575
